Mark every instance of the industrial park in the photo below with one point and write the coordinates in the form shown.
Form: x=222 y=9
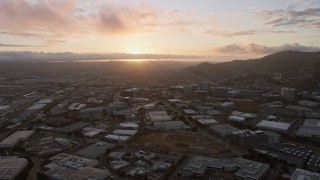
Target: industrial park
x=81 y=125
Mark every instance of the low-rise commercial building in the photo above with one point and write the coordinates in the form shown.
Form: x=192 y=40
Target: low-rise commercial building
x=92 y=113
x=288 y=94
x=310 y=129
x=240 y=168
x=11 y=166
x=242 y=117
x=125 y=132
x=95 y=150
x=280 y=127
x=156 y=116
x=83 y=173
x=15 y=138
x=91 y=132
x=189 y=112
x=170 y=125
x=207 y=122
x=70 y=161
x=144 y=155
x=248 y=138
x=78 y=126
x=117 y=138
x=272 y=137
x=129 y=125
x=299 y=174
x=224 y=130
x=76 y=106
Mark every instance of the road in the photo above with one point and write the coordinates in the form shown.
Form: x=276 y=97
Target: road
x=174 y=174
x=36 y=165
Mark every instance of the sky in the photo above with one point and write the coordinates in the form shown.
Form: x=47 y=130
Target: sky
x=215 y=29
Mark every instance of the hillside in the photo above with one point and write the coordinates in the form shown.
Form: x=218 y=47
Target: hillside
x=303 y=66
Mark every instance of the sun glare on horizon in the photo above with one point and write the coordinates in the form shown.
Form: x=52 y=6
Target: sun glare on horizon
x=136 y=49
x=136 y=60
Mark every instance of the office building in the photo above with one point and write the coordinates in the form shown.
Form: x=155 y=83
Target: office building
x=288 y=94
x=247 y=138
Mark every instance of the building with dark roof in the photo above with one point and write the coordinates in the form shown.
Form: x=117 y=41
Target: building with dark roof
x=95 y=150
x=248 y=138
x=11 y=166
x=239 y=167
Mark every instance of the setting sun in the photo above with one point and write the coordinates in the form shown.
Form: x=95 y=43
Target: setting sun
x=137 y=50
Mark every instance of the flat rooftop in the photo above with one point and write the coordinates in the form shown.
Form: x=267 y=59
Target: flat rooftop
x=245 y=132
x=244 y=168
x=130 y=125
x=274 y=126
x=189 y=111
x=251 y=169
x=312 y=122
x=125 y=132
x=224 y=129
x=170 y=125
x=308 y=131
x=301 y=174
x=73 y=127
x=117 y=137
x=36 y=106
x=14 y=138
x=4 y=107
x=207 y=121
x=83 y=173
x=94 y=150
x=156 y=116
x=70 y=161
x=11 y=166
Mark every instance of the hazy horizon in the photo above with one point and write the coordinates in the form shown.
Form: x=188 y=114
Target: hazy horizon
x=28 y=56
x=74 y=57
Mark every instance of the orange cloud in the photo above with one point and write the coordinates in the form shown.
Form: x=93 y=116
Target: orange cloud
x=253 y=48
x=64 y=17
x=114 y=18
x=41 y=17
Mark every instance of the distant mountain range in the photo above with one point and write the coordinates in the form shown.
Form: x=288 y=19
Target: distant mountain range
x=68 y=56
x=302 y=68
